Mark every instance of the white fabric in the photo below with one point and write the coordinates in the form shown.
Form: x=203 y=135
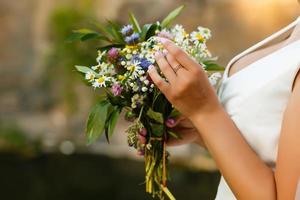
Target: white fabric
x=256 y=97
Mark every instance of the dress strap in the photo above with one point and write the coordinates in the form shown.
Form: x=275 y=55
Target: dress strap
x=260 y=44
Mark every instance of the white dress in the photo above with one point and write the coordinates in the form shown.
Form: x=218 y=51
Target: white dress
x=256 y=97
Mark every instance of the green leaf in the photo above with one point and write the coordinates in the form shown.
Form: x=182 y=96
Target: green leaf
x=104 y=30
x=84 y=31
x=91 y=36
x=152 y=31
x=109 y=112
x=134 y=22
x=107 y=47
x=85 y=34
x=96 y=121
x=115 y=28
x=158 y=117
x=113 y=122
x=74 y=37
x=210 y=66
x=83 y=69
x=144 y=31
x=157 y=129
x=175 y=113
x=168 y=20
x=174 y=135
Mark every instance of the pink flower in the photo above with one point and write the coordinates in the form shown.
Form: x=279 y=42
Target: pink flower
x=113 y=54
x=170 y=122
x=142 y=139
x=143 y=132
x=116 y=89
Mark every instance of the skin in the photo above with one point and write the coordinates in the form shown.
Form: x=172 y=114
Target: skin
x=204 y=121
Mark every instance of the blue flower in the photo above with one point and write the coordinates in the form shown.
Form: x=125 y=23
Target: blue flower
x=145 y=63
x=127 y=30
x=132 y=39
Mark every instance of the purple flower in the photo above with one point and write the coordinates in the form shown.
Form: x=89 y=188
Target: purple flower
x=116 y=89
x=132 y=39
x=127 y=30
x=113 y=54
x=145 y=64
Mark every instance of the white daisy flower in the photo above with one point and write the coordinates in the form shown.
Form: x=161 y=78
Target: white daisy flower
x=144 y=89
x=206 y=33
x=90 y=76
x=100 y=55
x=197 y=37
x=95 y=67
x=213 y=79
x=146 y=82
x=135 y=69
x=100 y=82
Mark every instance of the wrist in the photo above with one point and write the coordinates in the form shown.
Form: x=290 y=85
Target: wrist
x=208 y=115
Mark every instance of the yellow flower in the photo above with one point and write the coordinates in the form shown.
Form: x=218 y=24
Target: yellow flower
x=131 y=68
x=101 y=79
x=199 y=37
x=121 y=77
x=185 y=34
x=132 y=47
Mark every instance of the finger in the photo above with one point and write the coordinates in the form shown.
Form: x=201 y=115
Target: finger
x=172 y=61
x=165 y=67
x=172 y=122
x=181 y=56
x=157 y=79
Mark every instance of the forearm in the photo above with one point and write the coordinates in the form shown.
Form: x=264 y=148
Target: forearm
x=248 y=176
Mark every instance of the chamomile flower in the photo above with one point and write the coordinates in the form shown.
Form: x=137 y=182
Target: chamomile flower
x=90 y=76
x=197 y=37
x=205 y=32
x=135 y=69
x=100 y=56
x=179 y=34
x=95 y=67
x=100 y=82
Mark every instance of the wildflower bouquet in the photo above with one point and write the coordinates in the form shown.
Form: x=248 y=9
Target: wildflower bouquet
x=121 y=70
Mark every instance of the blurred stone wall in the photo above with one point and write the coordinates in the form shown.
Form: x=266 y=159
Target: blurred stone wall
x=25 y=43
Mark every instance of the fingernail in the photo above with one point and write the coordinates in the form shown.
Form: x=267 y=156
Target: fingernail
x=170 y=121
x=165 y=52
x=162 y=40
x=150 y=68
x=157 y=53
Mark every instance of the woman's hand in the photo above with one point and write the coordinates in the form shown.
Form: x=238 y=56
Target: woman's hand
x=188 y=89
x=186 y=130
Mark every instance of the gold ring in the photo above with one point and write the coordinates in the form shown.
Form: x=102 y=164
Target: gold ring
x=177 y=68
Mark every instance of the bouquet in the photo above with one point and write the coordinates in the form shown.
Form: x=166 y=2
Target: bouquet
x=121 y=71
